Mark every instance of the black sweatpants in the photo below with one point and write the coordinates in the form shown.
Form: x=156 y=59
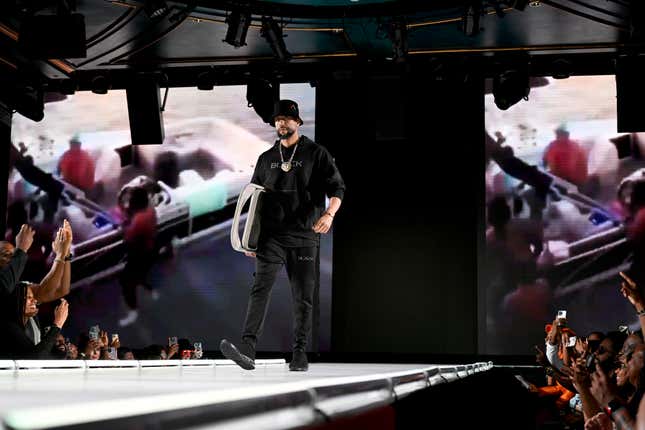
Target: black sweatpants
x=301 y=271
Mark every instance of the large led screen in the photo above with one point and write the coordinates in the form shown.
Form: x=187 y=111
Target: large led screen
x=563 y=195
x=193 y=285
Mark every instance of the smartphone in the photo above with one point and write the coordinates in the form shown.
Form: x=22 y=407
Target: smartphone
x=115 y=337
x=572 y=342
x=562 y=315
x=94 y=332
x=172 y=340
x=590 y=362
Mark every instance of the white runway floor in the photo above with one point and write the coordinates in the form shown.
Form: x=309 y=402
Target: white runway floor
x=37 y=398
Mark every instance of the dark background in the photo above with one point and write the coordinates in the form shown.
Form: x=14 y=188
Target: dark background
x=405 y=243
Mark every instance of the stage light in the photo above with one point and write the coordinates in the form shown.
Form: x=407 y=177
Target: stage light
x=272 y=32
x=155 y=8
x=561 y=69
x=67 y=86
x=205 y=80
x=510 y=87
x=262 y=96
x=28 y=101
x=238 y=26
x=100 y=84
x=471 y=18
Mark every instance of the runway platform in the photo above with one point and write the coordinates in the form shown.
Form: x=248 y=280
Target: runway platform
x=203 y=393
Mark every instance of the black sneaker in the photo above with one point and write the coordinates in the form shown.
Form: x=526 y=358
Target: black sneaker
x=299 y=362
x=232 y=353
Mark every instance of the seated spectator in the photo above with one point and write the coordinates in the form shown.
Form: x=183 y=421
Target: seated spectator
x=184 y=345
x=593 y=340
x=20 y=331
x=154 y=352
x=125 y=353
x=60 y=347
x=72 y=351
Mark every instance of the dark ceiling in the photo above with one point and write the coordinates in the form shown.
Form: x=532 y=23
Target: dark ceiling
x=322 y=35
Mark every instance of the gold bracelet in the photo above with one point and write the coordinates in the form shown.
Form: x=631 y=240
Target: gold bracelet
x=60 y=260
x=327 y=213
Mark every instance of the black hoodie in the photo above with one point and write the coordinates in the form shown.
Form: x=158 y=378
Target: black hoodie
x=295 y=200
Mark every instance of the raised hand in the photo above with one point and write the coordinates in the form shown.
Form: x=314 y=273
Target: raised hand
x=25 y=237
x=69 y=236
x=103 y=339
x=600 y=421
x=60 y=313
x=602 y=388
x=580 y=374
x=92 y=345
x=172 y=350
x=116 y=343
x=632 y=293
x=59 y=243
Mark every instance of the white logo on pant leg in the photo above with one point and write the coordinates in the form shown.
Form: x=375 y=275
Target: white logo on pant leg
x=305 y=258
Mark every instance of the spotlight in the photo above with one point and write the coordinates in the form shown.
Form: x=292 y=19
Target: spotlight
x=100 y=84
x=155 y=8
x=262 y=96
x=26 y=98
x=471 y=18
x=510 y=87
x=399 y=36
x=561 y=69
x=67 y=86
x=205 y=80
x=272 y=32
x=238 y=26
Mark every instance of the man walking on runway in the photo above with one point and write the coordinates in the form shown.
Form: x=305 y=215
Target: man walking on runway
x=297 y=174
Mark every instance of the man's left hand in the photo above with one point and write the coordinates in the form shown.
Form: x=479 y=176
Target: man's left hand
x=323 y=224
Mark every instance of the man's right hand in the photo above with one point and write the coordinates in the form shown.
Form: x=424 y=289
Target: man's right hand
x=249 y=254
x=25 y=237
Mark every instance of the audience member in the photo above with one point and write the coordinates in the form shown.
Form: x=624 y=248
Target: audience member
x=20 y=331
x=13 y=260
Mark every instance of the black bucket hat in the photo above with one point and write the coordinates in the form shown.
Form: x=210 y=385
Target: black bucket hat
x=287 y=108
